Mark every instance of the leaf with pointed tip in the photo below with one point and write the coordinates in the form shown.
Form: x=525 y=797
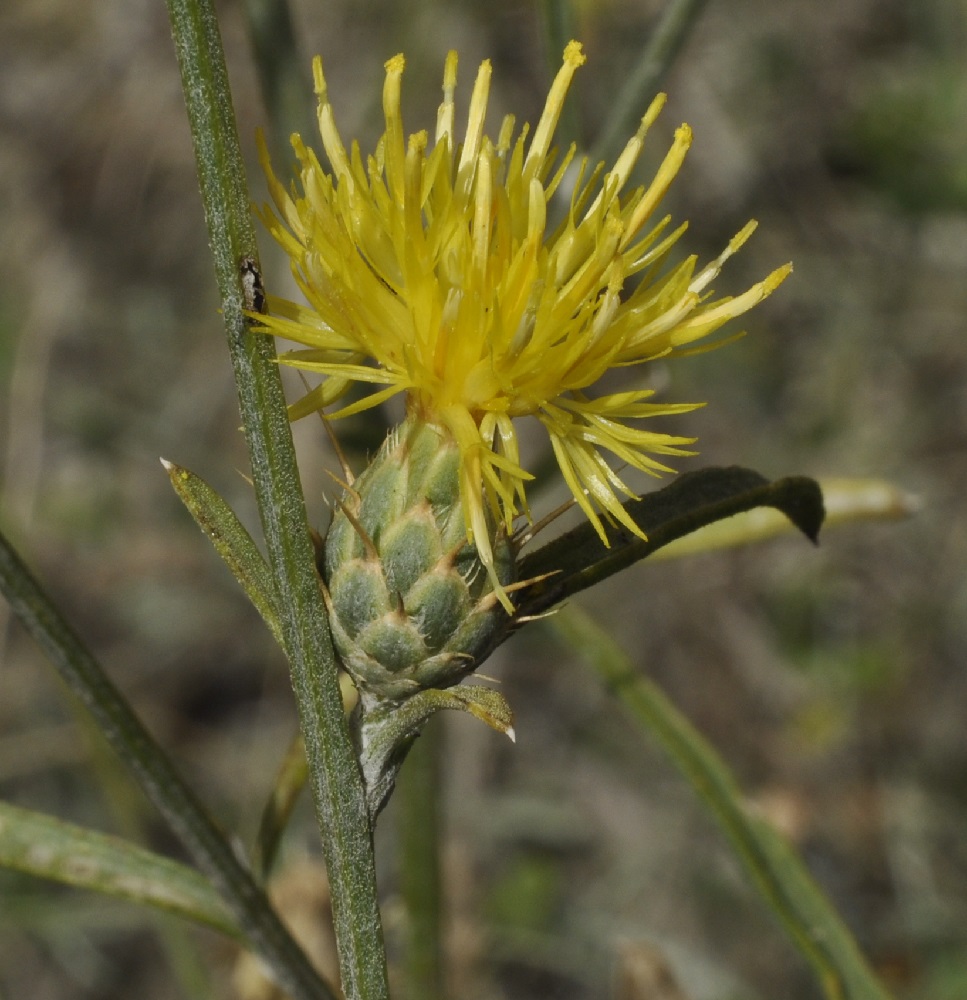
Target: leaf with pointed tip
x=49 y=848
x=231 y=540
x=485 y=703
x=580 y=559
x=845 y=500
x=387 y=731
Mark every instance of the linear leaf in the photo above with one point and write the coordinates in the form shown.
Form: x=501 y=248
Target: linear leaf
x=778 y=873
x=231 y=540
x=158 y=778
x=579 y=559
x=845 y=500
x=49 y=848
x=387 y=731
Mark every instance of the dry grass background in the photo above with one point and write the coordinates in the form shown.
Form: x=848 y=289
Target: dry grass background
x=833 y=680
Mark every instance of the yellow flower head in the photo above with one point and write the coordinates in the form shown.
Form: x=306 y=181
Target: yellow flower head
x=430 y=269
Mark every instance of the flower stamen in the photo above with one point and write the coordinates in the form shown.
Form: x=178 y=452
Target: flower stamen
x=429 y=270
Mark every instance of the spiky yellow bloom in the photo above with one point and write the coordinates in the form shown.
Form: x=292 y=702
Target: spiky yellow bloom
x=430 y=269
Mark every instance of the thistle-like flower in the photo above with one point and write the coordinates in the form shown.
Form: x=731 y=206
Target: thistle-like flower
x=435 y=270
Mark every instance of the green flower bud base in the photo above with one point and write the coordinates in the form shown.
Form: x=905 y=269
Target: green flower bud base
x=411 y=605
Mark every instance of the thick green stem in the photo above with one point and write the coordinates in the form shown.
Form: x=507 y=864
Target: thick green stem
x=158 y=778
x=335 y=776
x=418 y=793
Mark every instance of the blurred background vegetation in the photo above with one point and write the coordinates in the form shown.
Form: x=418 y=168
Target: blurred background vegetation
x=832 y=680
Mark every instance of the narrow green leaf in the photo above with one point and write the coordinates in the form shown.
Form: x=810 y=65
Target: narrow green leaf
x=283 y=71
x=485 y=703
x=845 y=500
x=580 y=559
x=559 y=23
x=778 y=873
x=41 y=845
x=665 y=40
x=231 y=540
x=387 y=731
x=158 y=778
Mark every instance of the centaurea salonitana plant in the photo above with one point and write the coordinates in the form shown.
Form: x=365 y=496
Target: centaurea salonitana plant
x=434 y=270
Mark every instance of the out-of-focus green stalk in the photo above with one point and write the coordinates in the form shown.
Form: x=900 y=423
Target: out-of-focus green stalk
x=283 y=75
x=780 y=876
x=50 y=848
x=335 y=776
x=664 y=43
x=289 y=782
x=158 y=778
x=558 y=22
x=418 y=793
